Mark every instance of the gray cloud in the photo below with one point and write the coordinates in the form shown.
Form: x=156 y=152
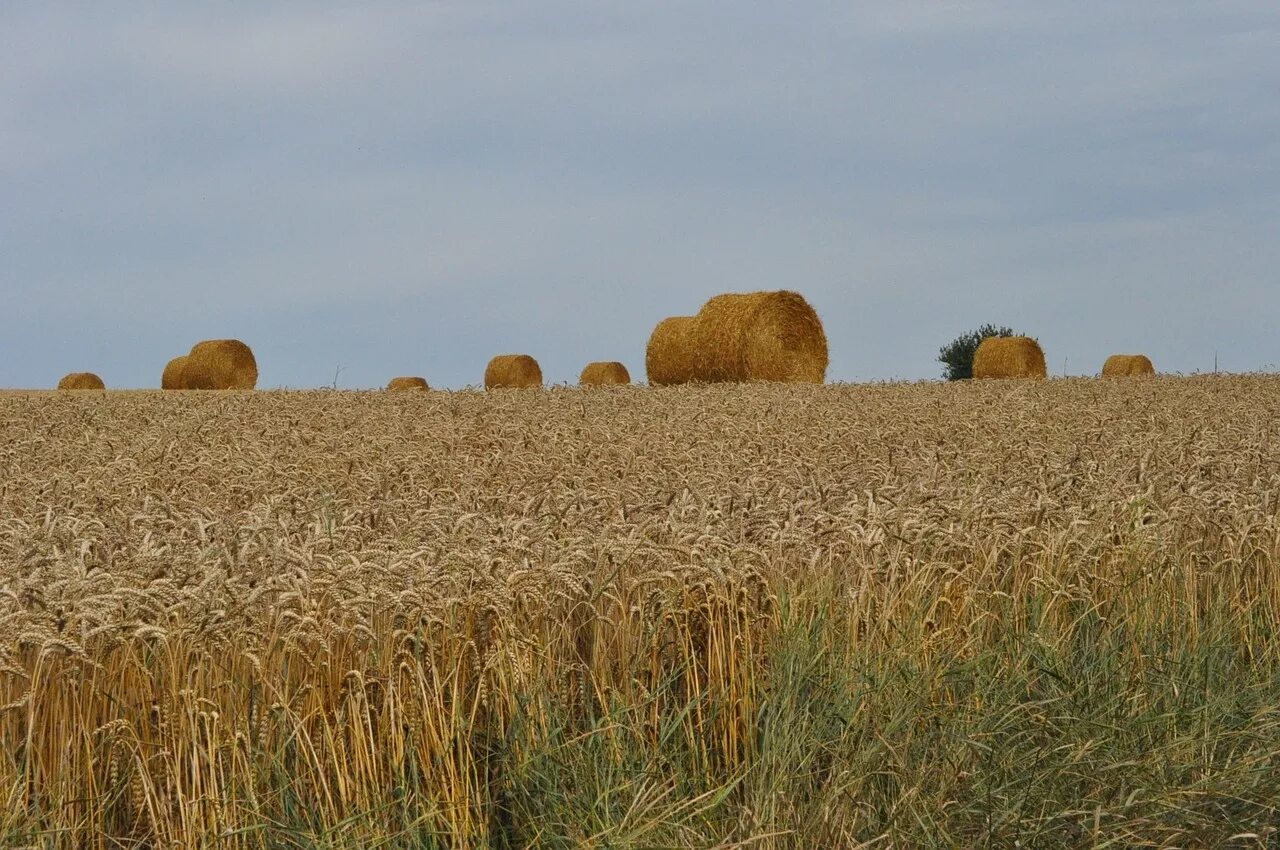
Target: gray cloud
x=405 y=187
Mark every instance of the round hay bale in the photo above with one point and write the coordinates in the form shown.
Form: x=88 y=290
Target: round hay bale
x=1127 y=366
x=198 y=375
x=81 y=381
x=407 y=383
x=1009 y=357
x=759 y=336
x=668 y=359
x=228 y=363
x=512 y=371
x=172 y=378
x=604 y=373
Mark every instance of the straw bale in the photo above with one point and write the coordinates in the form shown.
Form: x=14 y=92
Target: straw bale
x=198 y=375
x=407 y=383
x=759 y=336
x=81 y=381
x=1127 y=365
x=173 y=378
x=512 y=371
x=1009 y=357
x=668 y=359
x=604 y=373
x=228 y=363
x=185 y=373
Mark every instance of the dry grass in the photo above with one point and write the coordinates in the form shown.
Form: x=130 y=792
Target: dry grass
x=764 y=616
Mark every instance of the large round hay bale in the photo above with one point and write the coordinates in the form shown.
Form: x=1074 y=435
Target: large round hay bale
x=668 y=359
x=604 y=373
x=228 y=363
x=81 y=381
x=407 y=383
x=512 y=371
x=1127 y=365
x=759 y=336
x=1009 y=357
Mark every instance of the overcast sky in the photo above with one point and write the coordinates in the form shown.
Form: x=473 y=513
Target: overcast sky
x=410 y=188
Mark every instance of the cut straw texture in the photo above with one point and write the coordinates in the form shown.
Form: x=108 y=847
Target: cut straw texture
x=604 y=373
x=407 y=383
x=81 y=381
x=1009 y=357
x=1127 y=366
x=512 y=371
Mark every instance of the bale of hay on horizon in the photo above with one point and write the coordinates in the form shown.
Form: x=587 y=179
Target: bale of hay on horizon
x=759 y=336
x=604 y=373
x=184 y=373
x=668 y=358
x=407 y=383
x=229 y=364
x=512 y=371
x=81 y=381
x=172 y=378
x=1127 y=366
x=1009 y=357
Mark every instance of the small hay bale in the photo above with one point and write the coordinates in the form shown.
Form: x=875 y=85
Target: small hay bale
x=1127 y=366
x=1009 y=357
x=407 y=383
x=512 y=371
x=668 y=359
x=604 y=373
x=172 y=378
x=228 y=363
x=81 y=381
x=759 y=336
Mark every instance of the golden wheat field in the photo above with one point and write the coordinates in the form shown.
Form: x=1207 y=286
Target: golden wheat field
x=698 y=616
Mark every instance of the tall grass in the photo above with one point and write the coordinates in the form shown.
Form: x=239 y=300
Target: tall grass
x=1052 y=724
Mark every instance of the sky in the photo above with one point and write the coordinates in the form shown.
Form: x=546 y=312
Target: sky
x=364 y=190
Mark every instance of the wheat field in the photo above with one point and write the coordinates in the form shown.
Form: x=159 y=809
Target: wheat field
x=769 y=616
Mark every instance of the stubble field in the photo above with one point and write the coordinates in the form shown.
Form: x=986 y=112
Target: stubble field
x=757 y=616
